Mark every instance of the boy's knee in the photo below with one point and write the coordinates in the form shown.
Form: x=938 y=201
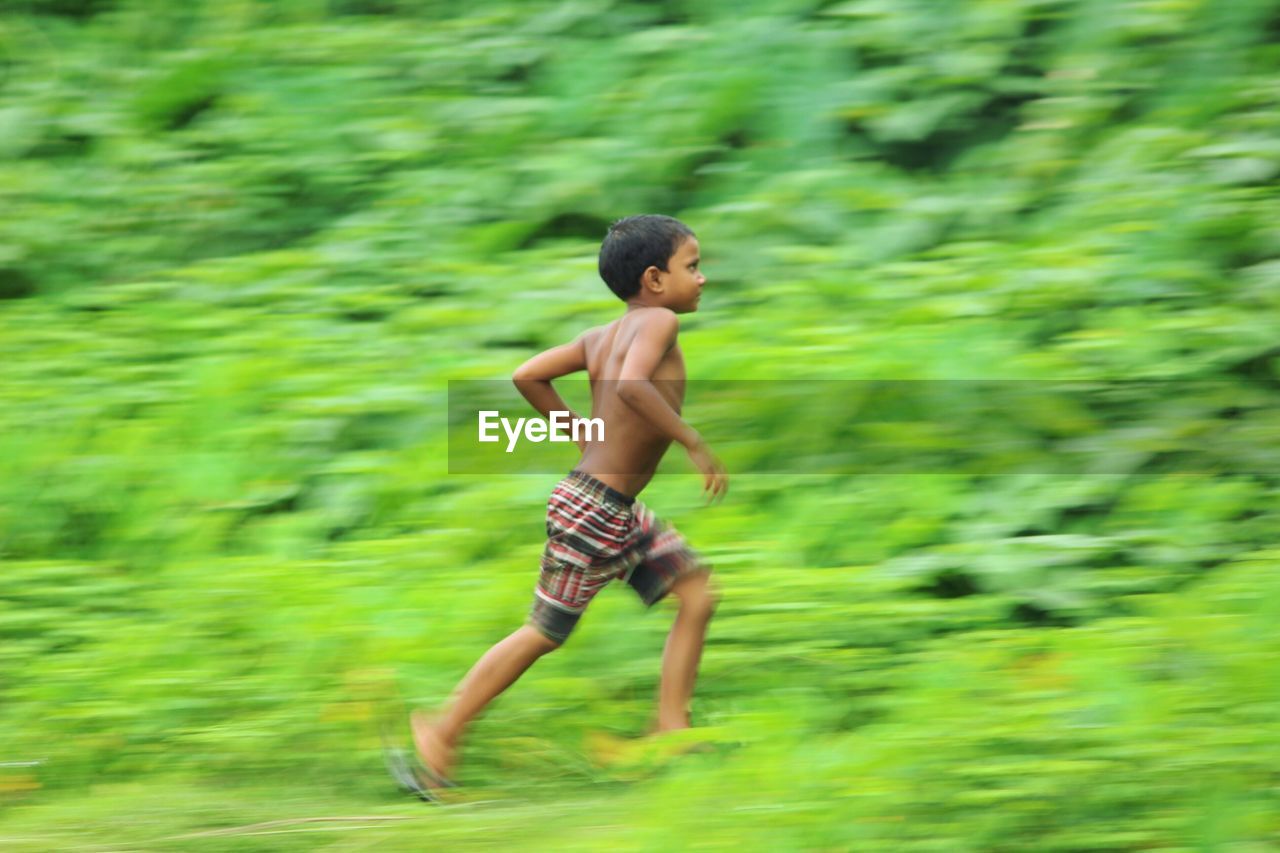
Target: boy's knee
x=699 y=594
x=710 y=597
x=540 y=642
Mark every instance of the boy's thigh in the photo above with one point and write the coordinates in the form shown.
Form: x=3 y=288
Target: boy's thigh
x=587 y=547
x=665 y=558
x=561 y=595
x=649 y=553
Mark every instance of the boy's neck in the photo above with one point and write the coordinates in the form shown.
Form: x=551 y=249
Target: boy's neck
x=637 y=302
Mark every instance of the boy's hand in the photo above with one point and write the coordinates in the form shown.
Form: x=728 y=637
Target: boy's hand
x=715 y=480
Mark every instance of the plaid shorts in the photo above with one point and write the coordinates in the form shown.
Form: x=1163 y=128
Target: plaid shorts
x=596 y=534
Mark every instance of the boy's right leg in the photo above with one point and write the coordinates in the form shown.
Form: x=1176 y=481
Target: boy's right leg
x=496 y=670
x=683 y=650
x=670 y=566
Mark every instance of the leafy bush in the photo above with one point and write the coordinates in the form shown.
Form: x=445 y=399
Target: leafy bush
x=248 y=244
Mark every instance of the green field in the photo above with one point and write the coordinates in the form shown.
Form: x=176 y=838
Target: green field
x=245 y=245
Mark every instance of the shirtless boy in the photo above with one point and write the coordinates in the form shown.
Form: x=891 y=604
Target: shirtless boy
x=596 y=529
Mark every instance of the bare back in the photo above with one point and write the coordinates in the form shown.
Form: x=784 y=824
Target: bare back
x=633 y=447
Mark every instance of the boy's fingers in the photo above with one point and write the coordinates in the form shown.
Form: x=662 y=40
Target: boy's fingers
x=716 y=487
x=715 y=481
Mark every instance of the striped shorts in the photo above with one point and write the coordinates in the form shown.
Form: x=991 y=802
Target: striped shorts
x=594 y=535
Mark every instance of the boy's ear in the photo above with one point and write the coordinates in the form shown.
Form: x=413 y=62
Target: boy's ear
x=651 y=279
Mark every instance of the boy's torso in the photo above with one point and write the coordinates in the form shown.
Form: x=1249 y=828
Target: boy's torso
x=629 y=455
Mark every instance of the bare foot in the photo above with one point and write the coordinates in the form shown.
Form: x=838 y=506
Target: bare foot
x=436 y=753
x=680 y=741
x=658 y=727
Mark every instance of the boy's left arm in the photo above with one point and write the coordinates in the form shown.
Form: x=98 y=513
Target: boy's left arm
x=533 y=378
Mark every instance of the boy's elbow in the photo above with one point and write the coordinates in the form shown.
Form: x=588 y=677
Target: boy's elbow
x=523 y=375
x=629 y=390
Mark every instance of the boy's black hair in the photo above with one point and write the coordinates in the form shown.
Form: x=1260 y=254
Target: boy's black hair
x=636 y=243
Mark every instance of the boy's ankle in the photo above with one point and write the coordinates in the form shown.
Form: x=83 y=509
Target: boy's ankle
x=671 y=726
x=437 y=727
x=448 y=739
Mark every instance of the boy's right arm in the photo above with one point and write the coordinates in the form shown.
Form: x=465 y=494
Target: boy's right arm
x=656 y=335
x=533 y=378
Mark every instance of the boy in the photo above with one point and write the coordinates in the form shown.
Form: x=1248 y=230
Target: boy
x=596 y=530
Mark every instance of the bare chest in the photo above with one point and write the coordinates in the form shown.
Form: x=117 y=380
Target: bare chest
x=669 y=377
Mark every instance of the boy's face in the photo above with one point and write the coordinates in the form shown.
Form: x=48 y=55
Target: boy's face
x=683 y=281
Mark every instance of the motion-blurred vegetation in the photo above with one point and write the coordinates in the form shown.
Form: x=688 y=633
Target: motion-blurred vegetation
x=245 y=244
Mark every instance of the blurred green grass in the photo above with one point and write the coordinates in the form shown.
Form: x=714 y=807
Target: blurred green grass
x=247 y=245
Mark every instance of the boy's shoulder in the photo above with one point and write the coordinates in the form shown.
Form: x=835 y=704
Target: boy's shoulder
x=653 y=320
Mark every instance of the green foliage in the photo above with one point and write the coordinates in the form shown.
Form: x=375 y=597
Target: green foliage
x=248 y=243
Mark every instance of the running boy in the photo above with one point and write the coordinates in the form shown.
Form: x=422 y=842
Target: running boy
x=596 y=529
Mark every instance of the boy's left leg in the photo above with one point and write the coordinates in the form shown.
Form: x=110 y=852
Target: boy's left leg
x=585 y=521
x=496 y=670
